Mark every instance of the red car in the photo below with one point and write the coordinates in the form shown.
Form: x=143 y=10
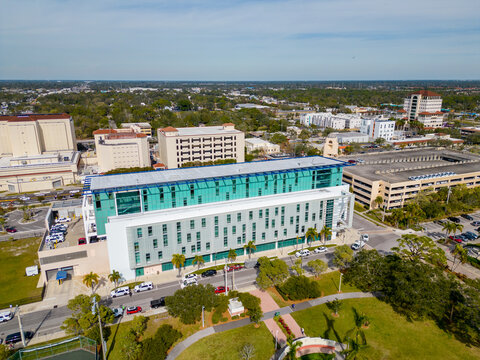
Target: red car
x=457 y=239
x=234 y=267
x=133 y=310
x=221 y=289
x=11 y=230
x=82 y=241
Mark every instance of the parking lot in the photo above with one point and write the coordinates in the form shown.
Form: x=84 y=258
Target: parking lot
x=74 y=232
x=435 y=230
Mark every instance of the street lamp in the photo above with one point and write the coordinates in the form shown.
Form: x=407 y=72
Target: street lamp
x=17 y=312
x=203 y=316
x=104 y=344
x=340 y=283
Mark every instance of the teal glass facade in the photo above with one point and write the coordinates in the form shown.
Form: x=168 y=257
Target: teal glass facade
x=208 y=190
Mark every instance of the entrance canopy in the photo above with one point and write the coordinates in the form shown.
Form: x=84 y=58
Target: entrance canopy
x=61 y=275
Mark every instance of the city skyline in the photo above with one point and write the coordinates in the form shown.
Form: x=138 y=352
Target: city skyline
x=240 y=40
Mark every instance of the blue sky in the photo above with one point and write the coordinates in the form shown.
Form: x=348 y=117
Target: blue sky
x=240 y=40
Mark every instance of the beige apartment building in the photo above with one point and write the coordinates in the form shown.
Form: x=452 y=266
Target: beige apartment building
x=398 y=176
x=139 y=128
x=37 y=152
x=121 y=149
x=177 y=146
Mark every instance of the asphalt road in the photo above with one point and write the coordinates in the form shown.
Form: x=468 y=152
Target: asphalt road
x=15 y=218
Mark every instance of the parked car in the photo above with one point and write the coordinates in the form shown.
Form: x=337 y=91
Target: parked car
x=133 y=310
x=63 y=219
x=209 y=273
x=234 y=267
x=358 y=245
x=143 y=287
x=24 y=198
x=16 y=337
x=122 y=291
x=82 y=241
x=454 y=219
x=476 y=223
x=10 y=229
x=5 y=316
x=320 y=249
x=188 y=282
x=156 y=303
x=117 y=312
x=221 y=289
x=456 y=239
x=472 y=235
x=190 y=276
x=302 y=253
x=439 y=222
x=466 y=216
x=364 y=237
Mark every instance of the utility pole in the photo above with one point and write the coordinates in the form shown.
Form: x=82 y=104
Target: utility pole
x=203 y=316
x=276 y=337
x=104 y=344
x=340 y=283
x=17 y=312
x=226 y=278
x=383 y=215
x=448 y=194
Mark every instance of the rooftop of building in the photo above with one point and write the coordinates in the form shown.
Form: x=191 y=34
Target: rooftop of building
x=113 y=134
x=347 y=134
x=5 y=161
x=426 y=93
x=258 y=141
x=398 y=166
x=202 y=130
x=143 y=125
x=33 y=117
x=144 y=179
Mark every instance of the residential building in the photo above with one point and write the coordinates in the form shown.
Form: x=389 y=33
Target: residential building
x=264 y=146
x=139 y=128
x=424 y=106
x=119 y=149
x=37 y=152
x=147 y=217
x=334 y=121
x=378 y=128
x=177 y=146
x=398 y=176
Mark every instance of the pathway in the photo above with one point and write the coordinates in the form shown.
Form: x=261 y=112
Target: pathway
x=266 y=316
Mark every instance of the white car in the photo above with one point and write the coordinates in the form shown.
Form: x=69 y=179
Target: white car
x=358 y=245
x=190 y=276
x=117 y=312
x=143 y=287
x=302 y=253
x=5 y=316
x=320 y=249
x=188 y=282
x=24 y=198
x=63 y=220
x=74 y=191
x=122 y=291
x=364 y=238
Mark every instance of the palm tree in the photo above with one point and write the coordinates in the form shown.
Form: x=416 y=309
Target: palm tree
x=311 y=234
x=457 y=227
x=114 y=277
x=357 y=333
x=325 y=233
x=199 y=260
x=90 y=280
x=250 y=246
x=354 y=349
x=178 y=260
x=232 y=255
x=448 y=227
x=378 y=201
x=460 y=254
x=293 y=346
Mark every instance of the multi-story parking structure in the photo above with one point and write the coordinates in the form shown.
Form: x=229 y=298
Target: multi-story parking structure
x=147 y=217
x=398 y=176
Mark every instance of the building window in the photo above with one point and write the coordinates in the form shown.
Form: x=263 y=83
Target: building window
x=179 y=226
x=244 y=228
x=189 y=237
x=147 y=257
x=260 y=214
x=183 y=250
x=273 y=223
x=250 y=215
x=217 y=188
x=150 y=231
x=267 y=213
x=216 y=220
x=136 y=247
x=296 y=229
x=216 y=231
x=266 y=223
x=192 y=191
x=285 y=232
x=164 y=227
x=192 y=248
x=225 y=241
x=298 y=207
x=155 y=243
x=254 y=226
x=179 y=238
x=199 y=246
x=244 y=238
x=263 y=236
x=239 y=216
x=306 y=216
x=229 y=219
x=275 y=234
x=259 y=192
x=313 y=216
x=282 y=221
x=225 y=231
x=283 y=210
x=198 y=235
x=239 y=240
x=254 y=236
x=234 y=229
x=165 y=240
x=227 y=196
x=207 y=246
x=184 y=201
x=199 y=199
x=297 y=219
x=192 y=224
x=303 y=229
x=307 y=206
x=291 y=220
x=276 y=211
x=137 y=258
x=204 y=222
x=160 y=255
x=139 y=233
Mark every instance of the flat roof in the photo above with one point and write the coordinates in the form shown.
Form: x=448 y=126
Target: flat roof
x=205 y=130
x=258 y=141
x=375 y=163
x=140 y=179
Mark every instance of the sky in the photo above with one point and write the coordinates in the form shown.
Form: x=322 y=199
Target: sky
x=262 y=40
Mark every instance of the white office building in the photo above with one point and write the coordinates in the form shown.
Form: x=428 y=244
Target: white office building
x=334 y=121
x=378 y=128
x=425 y=106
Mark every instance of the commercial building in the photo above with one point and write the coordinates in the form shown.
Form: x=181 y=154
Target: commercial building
x=148 y=217
x=117 y=149
x=424 y=106
x=424 y=140
x=177 y=146
x=399 y=176
x=350 y=137
x=378 y=128
x=37 y=152
x=264 y=146
x=334 y=121
x=139 y=128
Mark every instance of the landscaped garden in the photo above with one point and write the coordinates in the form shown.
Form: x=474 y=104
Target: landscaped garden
x=389 y=335
x=229 y=344
x=17 y=288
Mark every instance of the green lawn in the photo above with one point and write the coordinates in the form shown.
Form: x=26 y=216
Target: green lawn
x=226 y=345
x=390 y=335
x=329 y=284
x=17 y=288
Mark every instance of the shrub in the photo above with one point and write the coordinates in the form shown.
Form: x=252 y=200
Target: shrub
x=243 y=314
x=157 y=346
x=299 y=288
x=235 y=317
x=216 y=317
